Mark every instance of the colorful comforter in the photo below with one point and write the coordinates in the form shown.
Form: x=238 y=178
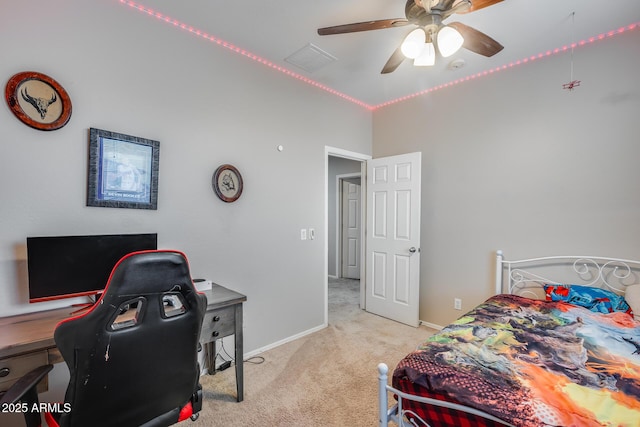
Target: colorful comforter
x=531 y=363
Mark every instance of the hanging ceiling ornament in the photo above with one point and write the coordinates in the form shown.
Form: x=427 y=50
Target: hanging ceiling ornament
x=572 y=82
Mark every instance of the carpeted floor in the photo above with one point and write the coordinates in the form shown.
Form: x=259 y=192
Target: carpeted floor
x=328 y=378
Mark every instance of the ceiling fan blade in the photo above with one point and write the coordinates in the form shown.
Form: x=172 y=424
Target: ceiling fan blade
x=477 y=42
x=480 y=4
x=363 y=26
x=394 y=62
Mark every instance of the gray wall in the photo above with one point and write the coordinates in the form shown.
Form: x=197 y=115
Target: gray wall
x=127 y=72
x=511 y=161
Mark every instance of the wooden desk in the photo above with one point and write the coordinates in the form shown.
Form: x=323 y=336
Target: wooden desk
x=26 y=340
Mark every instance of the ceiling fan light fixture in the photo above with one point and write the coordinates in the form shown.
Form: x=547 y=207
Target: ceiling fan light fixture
x=413 y=44
x=427 y=57
x=449 y=41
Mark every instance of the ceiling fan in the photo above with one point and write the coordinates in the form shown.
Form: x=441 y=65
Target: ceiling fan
x=421 y=43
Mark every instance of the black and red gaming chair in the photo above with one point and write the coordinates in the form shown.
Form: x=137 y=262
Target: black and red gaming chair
x=132 y=357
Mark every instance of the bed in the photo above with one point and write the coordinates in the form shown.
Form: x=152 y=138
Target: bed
x=557 y=345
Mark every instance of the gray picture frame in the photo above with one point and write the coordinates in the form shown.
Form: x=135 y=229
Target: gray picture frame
x=123 y=171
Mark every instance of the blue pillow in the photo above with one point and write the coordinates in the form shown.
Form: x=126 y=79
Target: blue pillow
x=595 y=299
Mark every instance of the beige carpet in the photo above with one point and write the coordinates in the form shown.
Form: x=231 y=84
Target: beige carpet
x=328 y=378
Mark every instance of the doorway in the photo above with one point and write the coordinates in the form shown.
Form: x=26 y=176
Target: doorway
x=342 y=168
x=390 y=255
x=390 y=261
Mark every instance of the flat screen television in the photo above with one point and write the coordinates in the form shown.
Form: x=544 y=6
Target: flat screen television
x=72 y=266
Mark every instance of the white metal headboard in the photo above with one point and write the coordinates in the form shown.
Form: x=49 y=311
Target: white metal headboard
x=527 y=276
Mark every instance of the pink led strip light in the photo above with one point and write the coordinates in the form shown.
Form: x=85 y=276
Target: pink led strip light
x=263 y=61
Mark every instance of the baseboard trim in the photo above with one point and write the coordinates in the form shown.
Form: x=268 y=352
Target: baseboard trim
x=284 y=341
x=309 y=332
x=431 y=325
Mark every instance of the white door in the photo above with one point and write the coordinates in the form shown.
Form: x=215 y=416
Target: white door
x=393 y=237
x=350 y=230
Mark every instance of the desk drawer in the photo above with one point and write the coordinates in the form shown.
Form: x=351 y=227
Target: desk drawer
x=15 y=367
x=218 y=323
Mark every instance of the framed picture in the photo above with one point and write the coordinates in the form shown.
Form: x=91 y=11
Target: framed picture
x=38 y=100
x=227 y=183
x=123 y=171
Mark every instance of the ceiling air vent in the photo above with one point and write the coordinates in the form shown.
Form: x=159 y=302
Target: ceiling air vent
x=310 y=58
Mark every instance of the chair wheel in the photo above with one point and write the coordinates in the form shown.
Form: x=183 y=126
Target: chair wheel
x=195 y=416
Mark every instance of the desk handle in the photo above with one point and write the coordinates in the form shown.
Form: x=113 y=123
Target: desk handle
x=216 y=318
x=4 y=372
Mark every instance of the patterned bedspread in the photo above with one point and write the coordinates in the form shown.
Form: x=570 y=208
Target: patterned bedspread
x=532 y=363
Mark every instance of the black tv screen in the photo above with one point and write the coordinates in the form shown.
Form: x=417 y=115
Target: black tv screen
x=70 y=266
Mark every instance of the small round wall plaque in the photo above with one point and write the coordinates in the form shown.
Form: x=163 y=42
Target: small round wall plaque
x=227 y=183
x=38 y=100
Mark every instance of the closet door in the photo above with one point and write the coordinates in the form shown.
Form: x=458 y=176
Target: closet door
x=351 y=230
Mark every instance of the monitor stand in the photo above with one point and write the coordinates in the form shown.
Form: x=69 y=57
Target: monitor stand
x=84 y=306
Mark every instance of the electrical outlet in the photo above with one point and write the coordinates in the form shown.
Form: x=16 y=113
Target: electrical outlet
x=312 y=234
x=457 y=303
x=303 y=234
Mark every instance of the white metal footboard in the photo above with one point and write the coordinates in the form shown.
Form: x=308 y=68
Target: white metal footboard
x=405 y=418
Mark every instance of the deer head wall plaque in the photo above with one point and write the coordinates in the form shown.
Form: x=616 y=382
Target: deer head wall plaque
x=38 y=100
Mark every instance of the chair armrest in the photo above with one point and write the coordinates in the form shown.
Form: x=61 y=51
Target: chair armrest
x=26 y=383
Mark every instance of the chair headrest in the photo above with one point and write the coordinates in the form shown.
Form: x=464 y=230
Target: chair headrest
x=150 y=272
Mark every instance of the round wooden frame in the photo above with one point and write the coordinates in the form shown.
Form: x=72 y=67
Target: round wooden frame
x=229 y=194
x=35 y=115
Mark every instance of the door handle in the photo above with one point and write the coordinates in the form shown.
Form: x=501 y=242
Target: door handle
x=413 y=249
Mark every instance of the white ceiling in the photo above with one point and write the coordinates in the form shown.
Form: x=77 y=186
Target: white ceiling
x=275 y=29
